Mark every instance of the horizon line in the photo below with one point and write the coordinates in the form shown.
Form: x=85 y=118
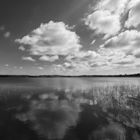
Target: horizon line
x=57 y=75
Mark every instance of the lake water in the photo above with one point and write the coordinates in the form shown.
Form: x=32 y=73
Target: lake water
x=67 y=83
x=70 y=108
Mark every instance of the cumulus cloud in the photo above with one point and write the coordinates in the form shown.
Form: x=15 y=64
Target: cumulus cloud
x=28 y=58
x=21 y=48
x=104 y=22
x=113 y=58
x=127 y=42
x=109 y=18
x=130 y=59
x=106 y=17
x=114 y=6
x=136 y=53
x=82 y=61
x=82 y=55
x=134 y=14
x=49 y=58
x=104 y=58
x=80 y=66
x=121 y=50
x=53 y=38
x=55 y=41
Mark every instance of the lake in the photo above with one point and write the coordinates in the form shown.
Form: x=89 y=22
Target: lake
x=69 y=108
x=82 y=83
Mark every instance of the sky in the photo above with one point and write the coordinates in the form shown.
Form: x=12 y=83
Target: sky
x=69 y=37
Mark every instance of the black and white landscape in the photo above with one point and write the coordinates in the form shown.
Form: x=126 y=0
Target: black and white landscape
x=69 y=70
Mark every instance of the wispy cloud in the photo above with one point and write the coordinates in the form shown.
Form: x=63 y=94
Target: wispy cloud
x=49 y=58
x=134 y=14
x=7 y=34
x=28 y=58
x=2 y=28
x=40 y=68
x=6 y=65
x=20 y=67
x=127 y=42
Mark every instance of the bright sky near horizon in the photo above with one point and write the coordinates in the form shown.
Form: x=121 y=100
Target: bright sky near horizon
x=69 y=37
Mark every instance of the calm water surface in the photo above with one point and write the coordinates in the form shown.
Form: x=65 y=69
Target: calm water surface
x=70 y=108
x=67 y=83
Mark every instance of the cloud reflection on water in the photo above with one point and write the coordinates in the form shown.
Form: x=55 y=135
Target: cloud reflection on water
x=110 y=132
x=52 y=118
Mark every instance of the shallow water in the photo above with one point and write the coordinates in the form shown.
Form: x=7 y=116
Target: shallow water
x=69 y=108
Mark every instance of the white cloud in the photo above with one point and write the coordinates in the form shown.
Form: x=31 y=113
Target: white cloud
x=134 y=14
x=105 y=59
x=106 y=17
x=82 y=55
x=128 y=42
x=77 y=66
x=114 y=57
x=7 y=34
x=121 y=50
x=136 y=53
x=21 y=48
x=85 y=61
x=28 y=58
x=59 y=67
x=53 y=38
x=114 y=6
x=49 y=58
x=40 y=68
x=77 y=62
x=67 y=64
x=104 y=22
x=130 y=59
x=93 y=42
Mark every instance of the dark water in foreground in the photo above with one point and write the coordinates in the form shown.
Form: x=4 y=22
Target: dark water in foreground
x=70 y=108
